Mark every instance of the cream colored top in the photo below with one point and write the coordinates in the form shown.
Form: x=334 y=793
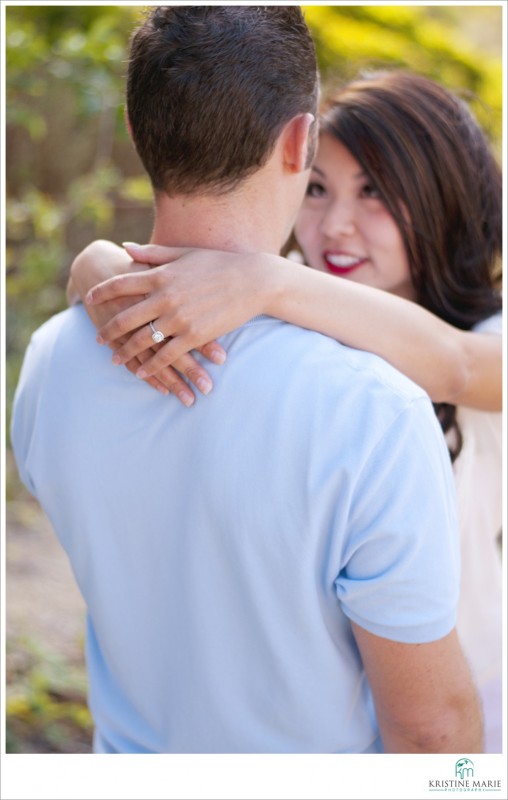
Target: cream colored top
x=478 y=475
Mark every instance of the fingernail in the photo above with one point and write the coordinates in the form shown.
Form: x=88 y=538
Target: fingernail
x=218 y=356
x=186 y=397
x=130 y=244
x=116 y=359
x=99 y=339
x=89 y=297
x=141 y=374
x=204 y=385
x=162 y=390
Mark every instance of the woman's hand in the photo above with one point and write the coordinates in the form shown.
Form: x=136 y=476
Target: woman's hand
x=194 y=297
x=103 y=259
x=168 y=380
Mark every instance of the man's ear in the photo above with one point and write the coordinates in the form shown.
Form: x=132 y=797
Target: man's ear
x=297 y=140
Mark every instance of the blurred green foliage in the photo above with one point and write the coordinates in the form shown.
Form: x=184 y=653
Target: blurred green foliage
x=72 y=174
x=432 y=40
x=46 y=706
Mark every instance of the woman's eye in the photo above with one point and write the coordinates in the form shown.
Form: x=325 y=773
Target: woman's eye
x=315 y=190
x=370 y=191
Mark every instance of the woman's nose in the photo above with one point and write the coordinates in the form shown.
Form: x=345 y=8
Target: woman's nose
x=338 y=221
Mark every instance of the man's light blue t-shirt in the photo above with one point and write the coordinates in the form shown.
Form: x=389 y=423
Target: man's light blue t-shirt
x=222 y=550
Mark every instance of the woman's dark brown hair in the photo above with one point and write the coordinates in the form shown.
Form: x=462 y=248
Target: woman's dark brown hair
x=435 y=172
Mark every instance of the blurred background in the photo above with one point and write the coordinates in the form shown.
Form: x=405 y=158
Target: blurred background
x=73 y=176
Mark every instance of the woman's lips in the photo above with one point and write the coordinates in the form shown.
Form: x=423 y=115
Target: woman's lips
x=342 y=264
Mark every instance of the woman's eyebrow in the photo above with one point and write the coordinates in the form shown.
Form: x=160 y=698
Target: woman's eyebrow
x=359 y=176
x=319 y=171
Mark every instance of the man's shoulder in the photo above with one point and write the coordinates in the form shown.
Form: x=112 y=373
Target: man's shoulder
x=323 y=359
x=327 y=397
x=62 y=332
x=64 y=340
x=62 y=323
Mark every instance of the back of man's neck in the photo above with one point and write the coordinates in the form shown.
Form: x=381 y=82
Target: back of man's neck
x=217 y=223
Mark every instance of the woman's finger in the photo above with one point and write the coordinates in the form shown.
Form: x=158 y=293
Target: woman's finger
x=166 y=353
x=169 y=353
x=131 y=283
x=167 y=380
x=153 y=381
x=194 y=372
x=172 y=377
x=137 y=343
x=135 y=317
x=214 y=352
x=154 y=254
x=126 y=348
x=185 y=365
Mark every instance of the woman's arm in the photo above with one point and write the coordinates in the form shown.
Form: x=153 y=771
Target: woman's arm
x=200 y=295
x=453 y=366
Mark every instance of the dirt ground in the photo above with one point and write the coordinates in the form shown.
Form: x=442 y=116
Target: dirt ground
x=44 y=635
x=43 y=602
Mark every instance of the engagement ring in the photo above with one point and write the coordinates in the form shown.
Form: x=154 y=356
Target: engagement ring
x=157 y=336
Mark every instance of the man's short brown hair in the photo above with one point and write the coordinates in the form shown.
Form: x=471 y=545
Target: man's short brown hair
x=210 y=88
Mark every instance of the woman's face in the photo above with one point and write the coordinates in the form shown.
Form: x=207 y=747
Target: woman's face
x=343 y=227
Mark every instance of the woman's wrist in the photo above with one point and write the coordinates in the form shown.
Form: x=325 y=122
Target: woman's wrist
x=272 y=282
x=97 y=262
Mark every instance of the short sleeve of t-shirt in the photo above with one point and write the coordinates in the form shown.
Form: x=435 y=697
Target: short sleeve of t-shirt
x=32 y=376
x=399 y=577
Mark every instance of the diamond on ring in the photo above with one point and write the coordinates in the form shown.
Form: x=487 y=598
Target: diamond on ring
x=157 y=336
